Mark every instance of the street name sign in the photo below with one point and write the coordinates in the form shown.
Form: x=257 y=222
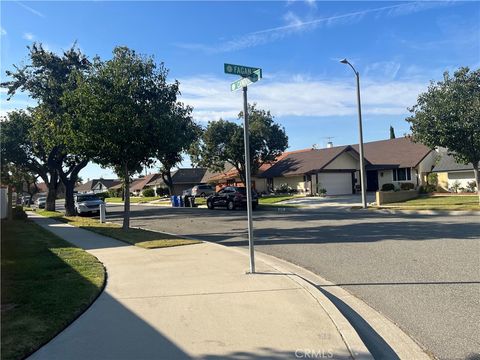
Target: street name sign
x=245 y=81
x=241 y=70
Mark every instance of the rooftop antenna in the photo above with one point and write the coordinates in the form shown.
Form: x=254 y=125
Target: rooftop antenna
x=329 y=141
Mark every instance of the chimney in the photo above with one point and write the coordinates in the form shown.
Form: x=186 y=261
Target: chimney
x=329 y=144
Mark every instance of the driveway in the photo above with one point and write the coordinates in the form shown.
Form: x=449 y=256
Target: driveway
x=421 y=271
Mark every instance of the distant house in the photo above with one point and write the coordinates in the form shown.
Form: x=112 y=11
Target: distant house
x=97 y=185
x=230 y=177
x=138 y=185
x=449 y=171
x=182 y=179
x=336 y=169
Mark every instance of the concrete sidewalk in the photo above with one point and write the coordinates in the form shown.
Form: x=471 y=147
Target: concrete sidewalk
x=197 y=302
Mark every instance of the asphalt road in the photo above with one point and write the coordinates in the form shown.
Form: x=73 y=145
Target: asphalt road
x=421 y=271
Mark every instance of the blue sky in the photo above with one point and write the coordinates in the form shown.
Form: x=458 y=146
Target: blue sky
x=398 y=47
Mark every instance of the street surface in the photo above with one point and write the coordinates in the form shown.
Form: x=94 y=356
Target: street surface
x=421 y=271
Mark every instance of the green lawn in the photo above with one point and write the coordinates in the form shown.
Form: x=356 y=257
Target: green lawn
x=455 y=202
x=46 y=283
x=143 y=238
x=274 y=199
x=133 y=199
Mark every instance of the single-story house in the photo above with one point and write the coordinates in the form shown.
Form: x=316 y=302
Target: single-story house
x=449 y=171
x=182 y=179
x=336 y=169
x=97 y=185
x=229 y=177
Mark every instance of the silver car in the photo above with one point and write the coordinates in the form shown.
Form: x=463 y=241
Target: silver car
x=40 y=202
x=87 y=204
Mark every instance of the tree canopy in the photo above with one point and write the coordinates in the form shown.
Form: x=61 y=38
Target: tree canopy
x=127 y=108
x=448 y=115
x=55 y=134
x=222 y=143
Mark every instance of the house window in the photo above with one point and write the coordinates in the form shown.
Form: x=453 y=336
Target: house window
x=402 y=174
x=307 y=177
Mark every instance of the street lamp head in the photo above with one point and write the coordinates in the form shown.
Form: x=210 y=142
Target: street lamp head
x=344 y=61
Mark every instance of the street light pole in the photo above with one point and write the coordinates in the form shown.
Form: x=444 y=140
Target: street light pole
x=360 y=145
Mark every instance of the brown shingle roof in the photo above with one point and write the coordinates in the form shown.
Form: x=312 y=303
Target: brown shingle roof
x=305 y=161
x=399 y=152
x=139 y=184
x=392 y=153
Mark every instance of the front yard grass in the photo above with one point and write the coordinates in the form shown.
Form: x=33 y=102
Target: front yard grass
x=274 y=199
x=46 y=284
x=454 y=202
x=143 y=238
x=133 y=199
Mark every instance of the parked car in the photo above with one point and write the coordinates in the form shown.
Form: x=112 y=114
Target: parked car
x=231 y=197
x=202 y=190
x=187 y=192
x=26 y=200
x=87 y=204
x=40 y=202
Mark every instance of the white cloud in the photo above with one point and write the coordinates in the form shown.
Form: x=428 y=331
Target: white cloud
x=299 y=95
x=3 y=31
x=28 y=36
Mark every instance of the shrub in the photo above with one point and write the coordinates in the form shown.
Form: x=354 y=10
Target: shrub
x=283 y=189
x=148 y=192
x=455 y=186
x=322 y=191
x=162 y=191
x=114 y=192
x=388 y=187
x=432 y=179
x=426 y=189
x=471 y=186
x=407 y=186
x=103 y=195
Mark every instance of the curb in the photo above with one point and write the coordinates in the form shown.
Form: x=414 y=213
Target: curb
x=426 y=212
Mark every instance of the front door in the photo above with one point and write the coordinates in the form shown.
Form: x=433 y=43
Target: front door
x=372 y=180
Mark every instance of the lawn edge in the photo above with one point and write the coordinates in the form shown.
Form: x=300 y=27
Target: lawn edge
x=62 y=220
x=70 y=322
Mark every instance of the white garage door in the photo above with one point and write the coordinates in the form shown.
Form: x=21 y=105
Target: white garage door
x=336 y=183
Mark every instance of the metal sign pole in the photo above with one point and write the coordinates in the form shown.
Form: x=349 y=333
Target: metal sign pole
x=248 y=181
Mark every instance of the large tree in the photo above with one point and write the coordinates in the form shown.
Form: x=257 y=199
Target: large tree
x=125 y=106
x=20 y=148
x=222 y=142
x=448 y=115
x=46 y=79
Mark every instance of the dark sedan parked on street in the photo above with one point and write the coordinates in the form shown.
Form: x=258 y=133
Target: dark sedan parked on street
x=231 y=197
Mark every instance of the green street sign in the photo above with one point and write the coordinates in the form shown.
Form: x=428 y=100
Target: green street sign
x=241 y=70
x=240 y=83
x=245 y=81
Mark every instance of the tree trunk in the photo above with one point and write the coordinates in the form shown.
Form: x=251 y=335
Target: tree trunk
x=9 y=203
x=52 y=191
x=69 y=183
x=126 y=206
x=69 y=201
x=477 y=179
x=167 y=179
